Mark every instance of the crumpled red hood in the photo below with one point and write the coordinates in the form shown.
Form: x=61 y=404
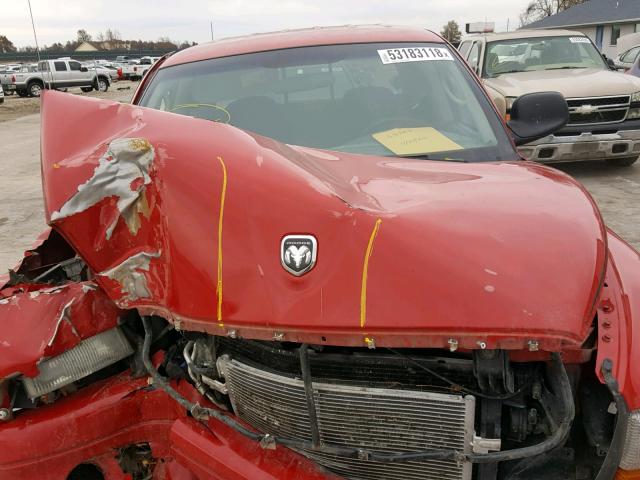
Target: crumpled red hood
x=493 y=254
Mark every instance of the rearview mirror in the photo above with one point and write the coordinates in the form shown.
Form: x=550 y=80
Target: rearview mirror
x=610 y=63
x=536 y=115
x=84 y=69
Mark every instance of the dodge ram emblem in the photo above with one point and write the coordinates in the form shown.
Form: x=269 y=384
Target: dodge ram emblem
x=298 y=253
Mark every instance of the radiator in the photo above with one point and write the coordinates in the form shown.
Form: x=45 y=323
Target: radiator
x=379 y=419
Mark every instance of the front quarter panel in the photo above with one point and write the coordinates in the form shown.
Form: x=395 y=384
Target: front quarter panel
x=619 y=317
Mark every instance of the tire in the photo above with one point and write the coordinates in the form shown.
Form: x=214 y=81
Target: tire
x=622 y=162
x=102 y=85
x=34 y=89
x=1 y=100
x=22 y=93
x=86 y=89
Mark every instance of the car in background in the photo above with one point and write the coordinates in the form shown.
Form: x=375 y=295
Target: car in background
x=635 y=68
x=102 y=68
x=1 y=95
x=626 y=59
x=8 y=78
x=59 y=74
x=136 y=69
x=12 y=67
x=604 y=105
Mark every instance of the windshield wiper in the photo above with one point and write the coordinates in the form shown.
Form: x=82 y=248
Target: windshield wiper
x=422 y=156
x=566 y=67
x=496 y=74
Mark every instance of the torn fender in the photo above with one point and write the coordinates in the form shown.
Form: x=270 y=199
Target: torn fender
x=46 y=322
x=184 y=218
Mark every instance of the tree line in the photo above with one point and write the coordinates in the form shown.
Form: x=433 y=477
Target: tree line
x=108 y=40
x=535 y=10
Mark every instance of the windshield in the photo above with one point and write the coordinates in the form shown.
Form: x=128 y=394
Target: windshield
x=543 y=53
x=380 y=99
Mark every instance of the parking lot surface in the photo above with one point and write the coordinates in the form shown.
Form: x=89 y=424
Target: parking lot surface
x=616 y=190
x=21 y=207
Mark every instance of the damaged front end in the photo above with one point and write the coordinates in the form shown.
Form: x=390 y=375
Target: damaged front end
x=154 y=333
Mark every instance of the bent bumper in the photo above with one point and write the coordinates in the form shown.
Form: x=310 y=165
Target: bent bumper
x=585 y=146
x=91 y=425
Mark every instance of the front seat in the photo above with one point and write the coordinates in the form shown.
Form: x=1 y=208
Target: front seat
x=261 y=115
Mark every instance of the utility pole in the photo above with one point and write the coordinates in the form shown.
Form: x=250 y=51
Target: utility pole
x=211 y=25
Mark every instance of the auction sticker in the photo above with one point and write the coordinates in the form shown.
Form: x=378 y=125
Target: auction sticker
x=579 y=40
x=414 y=54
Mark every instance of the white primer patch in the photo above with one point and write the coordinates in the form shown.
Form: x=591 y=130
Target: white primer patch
x=130 y=275
x=88 y=287
x=125 y=161
x=65 y=314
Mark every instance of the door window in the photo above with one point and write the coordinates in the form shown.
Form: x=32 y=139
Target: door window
x=464 y=49
x=60 y=66
x=474 y=56
x=74 y=66
x=615 y=34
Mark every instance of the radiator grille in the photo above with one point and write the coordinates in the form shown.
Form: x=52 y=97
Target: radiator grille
x=379 y=419
x=594 y=110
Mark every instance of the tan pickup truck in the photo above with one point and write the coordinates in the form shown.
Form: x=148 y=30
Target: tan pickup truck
x=604 y=105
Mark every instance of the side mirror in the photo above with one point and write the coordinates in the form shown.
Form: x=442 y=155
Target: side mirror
x=84 y=69
x=536 y=115
x=611 y=63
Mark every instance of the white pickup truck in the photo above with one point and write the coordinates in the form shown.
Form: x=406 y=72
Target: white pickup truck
x=137 y=69
x=59 y=73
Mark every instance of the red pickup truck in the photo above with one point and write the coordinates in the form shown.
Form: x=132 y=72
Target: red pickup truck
x=316 y=254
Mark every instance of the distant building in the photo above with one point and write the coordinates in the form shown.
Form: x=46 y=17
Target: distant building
x=87 y=47
x=103 y=46
x=604 y=21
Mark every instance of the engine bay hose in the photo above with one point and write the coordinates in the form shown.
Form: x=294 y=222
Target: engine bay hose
x=560 y=385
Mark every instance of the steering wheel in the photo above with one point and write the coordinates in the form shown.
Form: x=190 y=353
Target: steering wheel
x=223 y=114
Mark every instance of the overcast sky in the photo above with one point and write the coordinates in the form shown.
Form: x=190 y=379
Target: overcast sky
x=58 y=20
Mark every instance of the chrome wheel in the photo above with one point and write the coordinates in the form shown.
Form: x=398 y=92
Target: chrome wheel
x=35 y=90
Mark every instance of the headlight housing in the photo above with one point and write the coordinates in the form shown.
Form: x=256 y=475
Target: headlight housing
x=634 y=110
x=630 y=459
x=89 y=356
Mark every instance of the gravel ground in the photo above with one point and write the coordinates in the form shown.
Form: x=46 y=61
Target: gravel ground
x=616 y=190
x=16 y=107
x=21 y=207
